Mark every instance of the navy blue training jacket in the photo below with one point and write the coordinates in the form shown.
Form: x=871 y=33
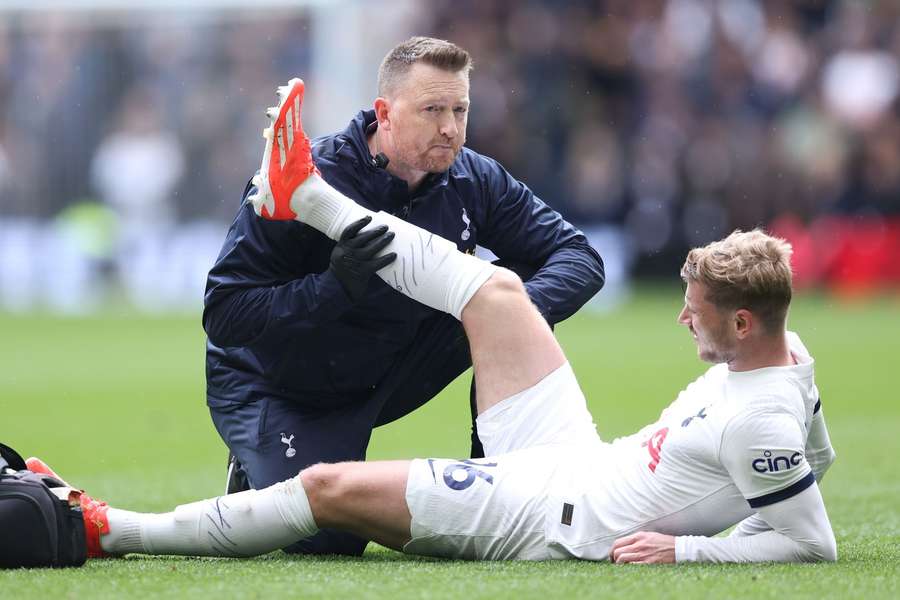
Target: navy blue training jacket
x=279 y=322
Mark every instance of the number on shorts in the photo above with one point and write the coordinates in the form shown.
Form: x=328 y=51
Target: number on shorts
x=471 y=473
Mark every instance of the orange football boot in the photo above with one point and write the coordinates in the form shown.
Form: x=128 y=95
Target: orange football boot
x=93 y=511
x=287 y=160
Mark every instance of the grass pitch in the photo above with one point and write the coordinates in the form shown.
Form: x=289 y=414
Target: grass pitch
x=116 y=404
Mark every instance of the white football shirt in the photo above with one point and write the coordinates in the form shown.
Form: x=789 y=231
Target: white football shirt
x=730 y=443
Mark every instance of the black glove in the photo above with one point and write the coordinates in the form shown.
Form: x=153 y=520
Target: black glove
x=355 y=258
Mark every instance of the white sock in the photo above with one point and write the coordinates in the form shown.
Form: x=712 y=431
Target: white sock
x=428 y=269
x=243 y=524
x=324 y=208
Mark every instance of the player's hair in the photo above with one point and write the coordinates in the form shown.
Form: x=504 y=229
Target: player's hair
x=750 y=270
x=430 y=51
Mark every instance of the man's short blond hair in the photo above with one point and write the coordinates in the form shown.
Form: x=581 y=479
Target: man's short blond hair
x=750 y=270
x=430 y=51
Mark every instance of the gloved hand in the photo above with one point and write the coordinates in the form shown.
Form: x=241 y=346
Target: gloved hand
x=355 y=258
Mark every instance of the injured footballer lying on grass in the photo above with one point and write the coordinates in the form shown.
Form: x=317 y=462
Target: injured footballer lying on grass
x=744 y=444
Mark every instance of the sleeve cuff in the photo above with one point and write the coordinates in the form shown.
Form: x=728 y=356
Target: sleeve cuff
x=683 y=549
x=534 y=295
x=333 y=299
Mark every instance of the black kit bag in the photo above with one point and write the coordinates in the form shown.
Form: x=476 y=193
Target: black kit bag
x=37 y=529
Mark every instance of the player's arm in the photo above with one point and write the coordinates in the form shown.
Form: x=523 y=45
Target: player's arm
x=792 y=530
x=792 y=524
x=259 y=282
x=518 y=226
x=800 y=532
x=765 y=456
x=819 y=454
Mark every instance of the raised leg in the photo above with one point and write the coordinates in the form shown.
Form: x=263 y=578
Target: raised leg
x=512 y=346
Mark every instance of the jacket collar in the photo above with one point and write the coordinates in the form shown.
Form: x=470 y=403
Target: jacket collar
x=358 y=149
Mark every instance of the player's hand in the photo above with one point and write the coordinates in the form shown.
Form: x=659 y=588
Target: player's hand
x=356 y=257
x=644 y=547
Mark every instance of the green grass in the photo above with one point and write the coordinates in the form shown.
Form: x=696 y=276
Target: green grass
x=117 y=405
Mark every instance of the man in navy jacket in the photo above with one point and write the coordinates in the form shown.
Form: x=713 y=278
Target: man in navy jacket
x=305 y=354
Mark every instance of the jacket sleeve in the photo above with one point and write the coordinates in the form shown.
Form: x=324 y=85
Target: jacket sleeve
x=260 y=283
x=519 y=227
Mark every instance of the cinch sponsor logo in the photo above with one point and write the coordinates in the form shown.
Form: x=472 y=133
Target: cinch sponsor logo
x=773 y=464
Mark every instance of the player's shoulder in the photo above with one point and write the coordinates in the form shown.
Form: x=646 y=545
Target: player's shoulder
x=765 y=414
x=762 y=428
x=776 y=389
x=750 y=411
x=771 y=398
x=783 y=402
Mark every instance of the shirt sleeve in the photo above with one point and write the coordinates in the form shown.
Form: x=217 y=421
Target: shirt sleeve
x=764 y=454
x=819 y=452
x=799 y=532
x=752 y=525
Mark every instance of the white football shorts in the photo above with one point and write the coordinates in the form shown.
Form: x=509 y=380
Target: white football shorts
x=496 y=508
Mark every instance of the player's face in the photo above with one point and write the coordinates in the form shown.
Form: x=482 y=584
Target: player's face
x=711 y=327
x=428 y=118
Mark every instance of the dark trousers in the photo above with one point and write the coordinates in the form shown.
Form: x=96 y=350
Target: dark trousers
x=274 y=438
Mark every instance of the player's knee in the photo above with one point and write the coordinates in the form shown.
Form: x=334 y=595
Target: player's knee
x=504 y=281
x=500 y=292
x=319 y=481
x=325 y=485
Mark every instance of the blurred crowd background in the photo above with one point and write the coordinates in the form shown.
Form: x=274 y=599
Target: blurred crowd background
x=126 y=138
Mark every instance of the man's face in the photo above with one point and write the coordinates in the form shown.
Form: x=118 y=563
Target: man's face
x=428 y=116
x=711 y=327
